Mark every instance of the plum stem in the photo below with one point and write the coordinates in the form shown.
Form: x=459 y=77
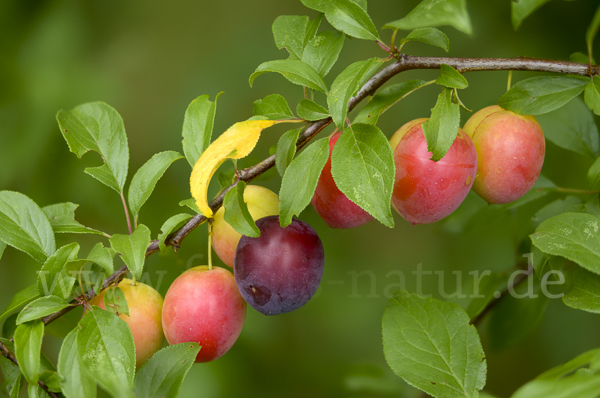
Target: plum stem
x=210 y=266
x=509 y=82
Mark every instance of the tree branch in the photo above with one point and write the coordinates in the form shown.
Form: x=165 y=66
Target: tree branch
x=404 y=62
x=10 y=356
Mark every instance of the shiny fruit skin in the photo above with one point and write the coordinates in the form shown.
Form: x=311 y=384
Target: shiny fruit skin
x=510 y=152
x=281 y=270
x=331 y=204
x=204 y=306
x=261 y=202
x=426 y=191
x=144 y=319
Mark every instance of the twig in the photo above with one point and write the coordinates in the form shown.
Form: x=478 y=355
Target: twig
x=522 y=277
x=10 y=356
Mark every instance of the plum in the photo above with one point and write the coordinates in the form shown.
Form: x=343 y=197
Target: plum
x=331 y=204
x=281 y=270
x=426 y=191
x=510 y=152
x=144 y=319
x=203 y=305
x=261 y=202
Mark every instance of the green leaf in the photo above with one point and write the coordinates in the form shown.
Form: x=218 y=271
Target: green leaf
x=431 y=345
x=12 y=377
x=311 y=29
x=20 y=299
x=198 y=125
x=103 y=256
x=172 y=224
x=51 y=379
x=572 y=127
x=114 y=300
x=28 y=348
x=77 y=382
x=98 y=127
x=133 y=249
x=591 y=94
x=295 y=71
x=451 y=78
x=273 y=107
x=580 y=58
x=345 y=85
x=236 y=212
x=289 y=32
x=569 y=204
x=2 y=248
x=323 y=51
x=191 y=203
x=585 y=292
x=431 y=36
x=385 y=99
x=521 y=9
x=24 y=226
x=571 y=366
x=516 y=315
x=286 y=149
x=52 y=278
x=574 y=236
x=163 y=374
x=346 y=16
x=62 y=219
x=105 y=346
x=300 y=180
x=442 y=127
x=41 y=307
x=362 y=165
x=145 y=179
x=591 y=32
x=542 y=94
x=593 y=175
x=310 y=110
x=436 y=13
x=579 y=385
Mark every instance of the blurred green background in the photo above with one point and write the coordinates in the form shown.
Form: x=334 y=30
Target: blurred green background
x=149 y=59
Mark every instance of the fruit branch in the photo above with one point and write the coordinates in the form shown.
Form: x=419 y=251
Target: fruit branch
x=11 y=357
x=404 y=63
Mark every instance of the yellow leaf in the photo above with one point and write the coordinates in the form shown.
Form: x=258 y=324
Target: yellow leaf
x=235 y=143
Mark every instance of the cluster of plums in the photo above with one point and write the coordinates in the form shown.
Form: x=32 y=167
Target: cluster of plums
x=499 y=154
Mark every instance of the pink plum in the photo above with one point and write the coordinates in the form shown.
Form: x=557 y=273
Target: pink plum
x=426 y=191
x=331 y=204
x=144 y=319
x=261 y=202
x=204 y=306
x=510 y=151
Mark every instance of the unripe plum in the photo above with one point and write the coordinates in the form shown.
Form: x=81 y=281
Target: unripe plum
x=281 y=270
x=426 y=191
x=510 y=153
x=204 y=306
x=144 y=319
x=261 y=202
x=331 y=204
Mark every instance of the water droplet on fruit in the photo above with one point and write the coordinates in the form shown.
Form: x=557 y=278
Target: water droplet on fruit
x=469 y=179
